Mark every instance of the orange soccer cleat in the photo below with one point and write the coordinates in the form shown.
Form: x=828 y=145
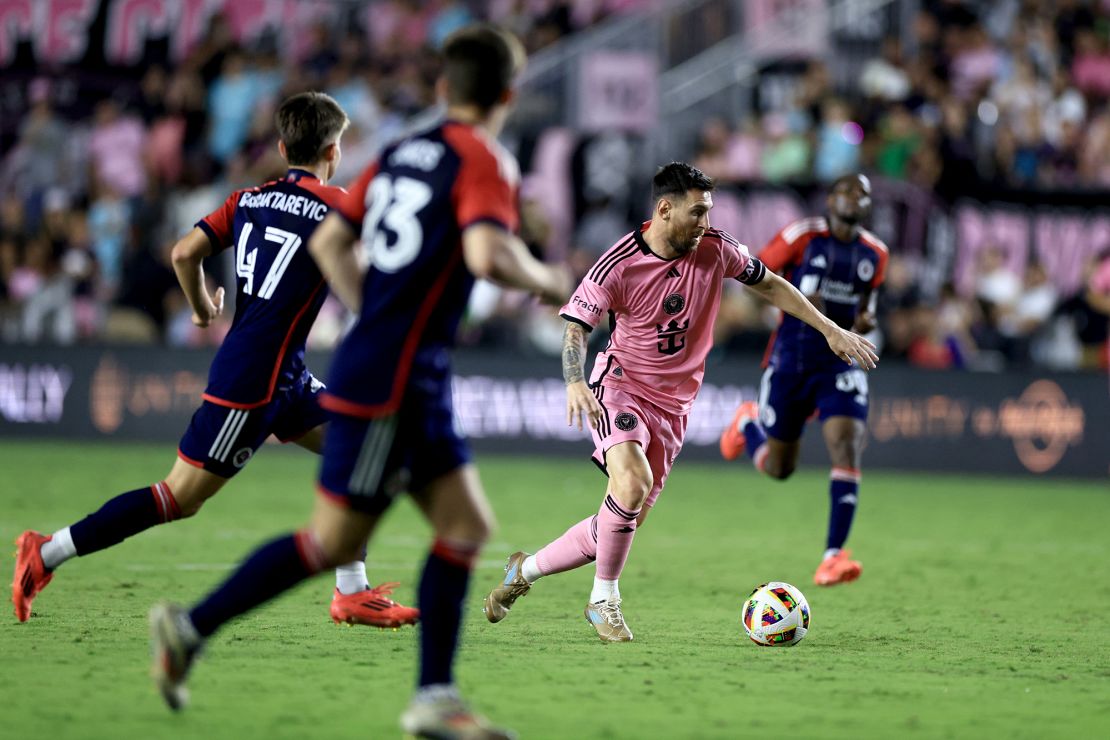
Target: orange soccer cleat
x=836 y=569
x=31 y=576
x=732 y=438
x=372 y=607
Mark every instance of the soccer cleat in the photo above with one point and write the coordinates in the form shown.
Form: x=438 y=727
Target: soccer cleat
x=446 y=717
x=837 y=569
x=732 y=438
x=607 y=619
x=31 y=576
x=372 y=607
x=512 y=587
x=174 y=646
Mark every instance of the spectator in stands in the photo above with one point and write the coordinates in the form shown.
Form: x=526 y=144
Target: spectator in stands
x=116 y=146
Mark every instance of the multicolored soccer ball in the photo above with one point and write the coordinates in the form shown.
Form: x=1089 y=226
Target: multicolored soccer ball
x=775 y=615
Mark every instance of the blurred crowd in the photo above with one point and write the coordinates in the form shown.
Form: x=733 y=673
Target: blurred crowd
x=1014 y=97
x=1007 y=94
x=1017 y=97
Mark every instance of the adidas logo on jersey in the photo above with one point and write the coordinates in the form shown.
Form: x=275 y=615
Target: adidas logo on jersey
x=673 y=273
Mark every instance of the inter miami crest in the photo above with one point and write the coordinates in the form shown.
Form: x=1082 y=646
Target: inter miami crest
x=626 y=422
x=673 y=303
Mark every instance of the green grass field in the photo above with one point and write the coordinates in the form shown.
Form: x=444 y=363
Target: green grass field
x=983 y=611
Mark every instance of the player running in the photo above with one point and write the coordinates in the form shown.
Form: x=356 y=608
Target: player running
x=661 y=287
x=839 y=266
x=435 y=211
x=258 y=384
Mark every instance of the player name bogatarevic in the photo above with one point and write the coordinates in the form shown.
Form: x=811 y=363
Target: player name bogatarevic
x=298 y=205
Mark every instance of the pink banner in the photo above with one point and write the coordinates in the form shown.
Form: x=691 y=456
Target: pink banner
x=618 y=91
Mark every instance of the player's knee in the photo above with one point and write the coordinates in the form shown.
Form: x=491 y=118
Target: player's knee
x=189 y=501
x=778 y=469
x=630 y=490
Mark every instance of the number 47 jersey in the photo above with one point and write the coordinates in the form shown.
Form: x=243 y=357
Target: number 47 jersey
x=279 y=289
x=411 y=208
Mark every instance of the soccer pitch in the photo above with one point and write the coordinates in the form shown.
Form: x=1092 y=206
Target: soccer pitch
x=983 y=611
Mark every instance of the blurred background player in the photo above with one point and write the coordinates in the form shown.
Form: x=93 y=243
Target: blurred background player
x=661 y=286
x=838 y=265
x=258 y=384
x=435 y=211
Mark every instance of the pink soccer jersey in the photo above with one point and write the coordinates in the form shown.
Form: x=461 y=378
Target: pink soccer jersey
x=662 y=313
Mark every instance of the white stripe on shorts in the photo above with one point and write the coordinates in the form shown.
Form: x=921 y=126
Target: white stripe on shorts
x=228 y=432
x=371 y=459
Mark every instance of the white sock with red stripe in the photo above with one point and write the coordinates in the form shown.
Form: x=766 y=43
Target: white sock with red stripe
x=58 y=549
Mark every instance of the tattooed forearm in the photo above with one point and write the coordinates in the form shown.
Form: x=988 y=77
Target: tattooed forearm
x=574 y=347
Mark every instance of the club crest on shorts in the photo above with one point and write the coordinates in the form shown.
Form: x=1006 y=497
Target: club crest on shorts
x=626 y=422
x=240 y=458
x=673 y=303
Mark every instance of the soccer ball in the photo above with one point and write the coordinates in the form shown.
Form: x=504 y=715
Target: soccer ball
x=776 y=614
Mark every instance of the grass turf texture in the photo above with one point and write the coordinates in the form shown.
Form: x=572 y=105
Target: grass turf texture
x=983 y=611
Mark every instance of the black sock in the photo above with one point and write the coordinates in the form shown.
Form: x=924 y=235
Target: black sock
x=273 y=569
x=126 y=514
x=442 y=591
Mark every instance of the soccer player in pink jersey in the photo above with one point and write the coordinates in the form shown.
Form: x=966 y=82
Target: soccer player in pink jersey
x=661 y=287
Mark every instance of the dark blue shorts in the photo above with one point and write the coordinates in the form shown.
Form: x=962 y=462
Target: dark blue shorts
x=369 y=462
x=221 y=439
x=788 y=400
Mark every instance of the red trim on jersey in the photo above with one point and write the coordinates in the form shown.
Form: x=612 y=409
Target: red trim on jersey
x=352 y=206
x=330 y=194
x=881 y=251
x=185 y=458
x=221 y=222
x=404 y=364
x=780 y=254
x=277 y=364
x=483 y=190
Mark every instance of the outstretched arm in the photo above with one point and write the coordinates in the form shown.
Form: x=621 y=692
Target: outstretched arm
x=335 y=249
x=847 y=346
x=188 y=264
x=581 y=403
x=493 y=253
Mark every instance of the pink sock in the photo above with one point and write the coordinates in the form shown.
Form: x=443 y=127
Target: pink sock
x=576 y=547
x=616 y=527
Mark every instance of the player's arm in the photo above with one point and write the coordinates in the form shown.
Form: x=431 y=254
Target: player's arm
x=866 y=316
x=188 y=264
x=844 y=344
x=581 y=403
x=493 y=253
x=334 y=247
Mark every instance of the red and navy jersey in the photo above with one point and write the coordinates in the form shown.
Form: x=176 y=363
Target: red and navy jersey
x=279 y=289
x=411 y=208
x=817 y=263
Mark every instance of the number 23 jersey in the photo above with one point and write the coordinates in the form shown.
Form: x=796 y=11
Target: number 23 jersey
x=410 y=209
x=279 y=289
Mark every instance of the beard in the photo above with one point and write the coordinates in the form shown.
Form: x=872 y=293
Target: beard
x=684 y=246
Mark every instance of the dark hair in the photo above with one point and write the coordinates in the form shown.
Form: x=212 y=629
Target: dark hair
x=677 y=178
x=306 y=123
x=479 y=64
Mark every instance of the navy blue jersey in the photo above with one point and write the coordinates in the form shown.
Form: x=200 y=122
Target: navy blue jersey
x=817 y=263
x=411 y=207
x=279 y=289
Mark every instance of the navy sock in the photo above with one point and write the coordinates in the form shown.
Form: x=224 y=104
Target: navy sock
x=843 y=495
x=754 y=438
x=273 y=569
x=442 y=591
x=126 y=514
